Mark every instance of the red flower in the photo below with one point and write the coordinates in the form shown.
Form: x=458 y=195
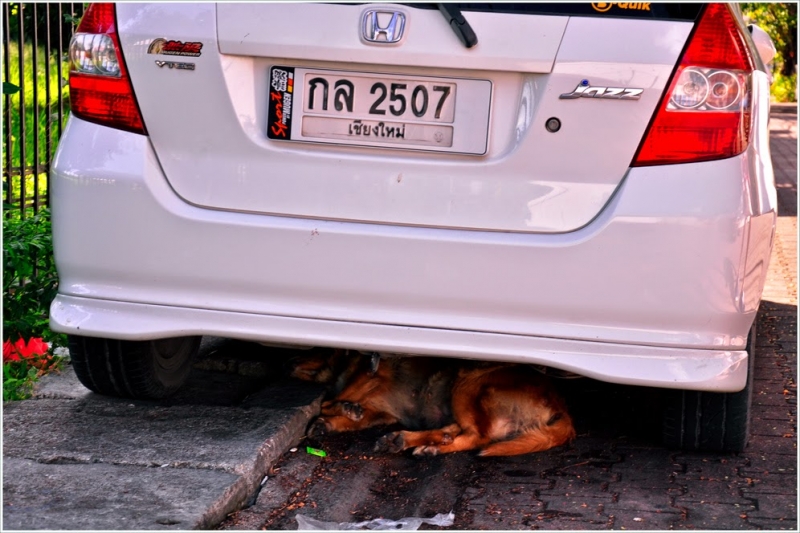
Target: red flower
x=35 y=347
x=9 y=353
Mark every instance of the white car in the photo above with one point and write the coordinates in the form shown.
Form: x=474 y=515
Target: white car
x=585 y=187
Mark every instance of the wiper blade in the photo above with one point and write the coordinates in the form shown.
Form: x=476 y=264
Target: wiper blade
x=459 y=24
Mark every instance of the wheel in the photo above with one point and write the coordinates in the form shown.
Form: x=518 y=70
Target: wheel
x=133 y=369
x=711 y=421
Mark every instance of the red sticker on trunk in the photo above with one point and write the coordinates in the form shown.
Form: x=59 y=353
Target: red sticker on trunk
x=174 y=48
x=281 y=85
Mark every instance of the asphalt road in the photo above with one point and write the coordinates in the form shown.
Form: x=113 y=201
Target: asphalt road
x=615 y=475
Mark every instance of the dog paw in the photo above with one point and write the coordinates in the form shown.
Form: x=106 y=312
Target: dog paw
x=353 y=411
x=318 y=428
x=426 y=450
x=391 y=443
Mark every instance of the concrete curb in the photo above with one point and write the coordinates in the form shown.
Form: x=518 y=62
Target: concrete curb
x=246 y=489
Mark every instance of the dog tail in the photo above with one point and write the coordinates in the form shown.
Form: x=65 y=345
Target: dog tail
x=557 y=432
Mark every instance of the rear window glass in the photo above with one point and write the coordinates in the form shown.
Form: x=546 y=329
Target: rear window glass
x=662 y=11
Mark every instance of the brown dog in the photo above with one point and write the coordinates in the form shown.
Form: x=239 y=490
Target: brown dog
x=446 y=405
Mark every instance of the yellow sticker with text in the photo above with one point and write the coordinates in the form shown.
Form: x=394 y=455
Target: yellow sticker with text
x=603 y=7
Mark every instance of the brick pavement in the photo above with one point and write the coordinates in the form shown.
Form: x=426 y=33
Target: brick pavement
x=771 y=468
x=775 y=403
x=781 y=286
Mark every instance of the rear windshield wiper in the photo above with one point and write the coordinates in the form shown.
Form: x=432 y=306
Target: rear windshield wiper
x=459 y=24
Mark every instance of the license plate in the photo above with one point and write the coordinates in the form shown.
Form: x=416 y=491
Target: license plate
x=379 y=110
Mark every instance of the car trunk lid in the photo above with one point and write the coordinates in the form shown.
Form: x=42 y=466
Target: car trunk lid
x=210 y=116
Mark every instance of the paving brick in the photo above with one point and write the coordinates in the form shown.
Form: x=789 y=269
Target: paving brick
x=645 y=480
x=634 y=499
x=701 y=468
x=775 y=506
x=773 y=524
x=509 y=495
x=775 y=372
x=585 y=507
x=550 y=520
x=773 y=428
x=774 y=465
x=590 y=475
x=773 y=398
x=774 y=445
x=634 y=519
x=573 y=492
x=713 y=492
x=760 y=483
x=715 y=516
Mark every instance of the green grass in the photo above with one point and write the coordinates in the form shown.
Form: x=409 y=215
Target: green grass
x=36 y=120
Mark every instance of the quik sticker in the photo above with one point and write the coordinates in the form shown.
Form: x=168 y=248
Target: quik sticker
x=281 y=86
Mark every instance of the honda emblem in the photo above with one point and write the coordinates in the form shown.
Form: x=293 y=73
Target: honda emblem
x=383 y=27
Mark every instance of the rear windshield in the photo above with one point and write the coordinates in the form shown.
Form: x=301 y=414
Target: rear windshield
x=661 y=11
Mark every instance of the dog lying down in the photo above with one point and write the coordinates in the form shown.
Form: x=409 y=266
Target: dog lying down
x=445 y=405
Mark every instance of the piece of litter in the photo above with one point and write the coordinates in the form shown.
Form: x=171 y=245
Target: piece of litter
x=314 y=451
x=293 y=450
x=264 y=480
x=61 y=351
x=637 y=519
x=380 y=524
x=164 y=466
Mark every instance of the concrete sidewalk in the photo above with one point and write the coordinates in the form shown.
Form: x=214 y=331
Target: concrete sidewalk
x=77 y=460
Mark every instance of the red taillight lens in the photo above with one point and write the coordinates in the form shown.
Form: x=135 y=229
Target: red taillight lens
x=705 y=112
x=99 y=88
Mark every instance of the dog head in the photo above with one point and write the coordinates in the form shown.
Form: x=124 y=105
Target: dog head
x=317 y=366
x=332 y=367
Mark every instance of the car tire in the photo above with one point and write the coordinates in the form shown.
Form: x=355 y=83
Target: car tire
x=710 y=421
x=147 y=370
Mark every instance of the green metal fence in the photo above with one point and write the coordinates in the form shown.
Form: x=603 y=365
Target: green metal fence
x=35 y=72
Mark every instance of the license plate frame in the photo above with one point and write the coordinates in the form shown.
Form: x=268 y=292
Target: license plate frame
x=378 y=110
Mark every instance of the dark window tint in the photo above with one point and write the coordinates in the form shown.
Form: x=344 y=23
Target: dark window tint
x=662 y=11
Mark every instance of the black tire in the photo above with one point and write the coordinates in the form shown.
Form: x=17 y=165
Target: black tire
x=711 y=421
x=146 y=370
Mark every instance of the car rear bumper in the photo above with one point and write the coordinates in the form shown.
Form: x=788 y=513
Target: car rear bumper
x=712 y=370
x=660 y=289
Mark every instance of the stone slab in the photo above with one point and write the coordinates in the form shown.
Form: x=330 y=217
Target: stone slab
x=107 y=497
x=77 y=460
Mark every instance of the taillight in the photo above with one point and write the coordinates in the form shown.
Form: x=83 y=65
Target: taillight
x=705 y=112
x=99 y=88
